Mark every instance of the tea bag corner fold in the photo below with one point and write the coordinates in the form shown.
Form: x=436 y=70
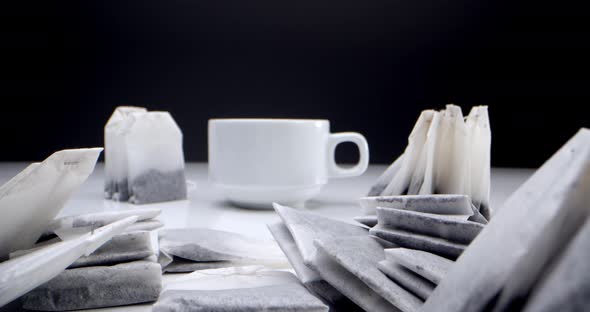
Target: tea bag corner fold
x=544 y=213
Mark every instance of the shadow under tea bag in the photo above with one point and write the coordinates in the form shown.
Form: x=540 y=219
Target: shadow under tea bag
x=238 y=289
x=115 y=166
x=30 y=201
x=155 y=159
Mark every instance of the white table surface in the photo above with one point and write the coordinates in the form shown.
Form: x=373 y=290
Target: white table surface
x=206 y=207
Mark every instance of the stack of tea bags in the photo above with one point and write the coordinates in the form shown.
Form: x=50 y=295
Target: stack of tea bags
x=123 y=271
x=533 y=255
x=144 y=160
x=193 y=249
x=446 y=154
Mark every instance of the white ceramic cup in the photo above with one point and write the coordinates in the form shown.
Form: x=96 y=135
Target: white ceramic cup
x=256 y=162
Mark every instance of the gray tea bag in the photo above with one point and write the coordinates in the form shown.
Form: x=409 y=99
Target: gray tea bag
x=425 y=264
x=548 y=208
x=207 y=245
x=308 y=277
x=385 y=178
x=148 y=225
x=359 y=256
x=435 y=225
x=155 y=158
x=566 y=286
x=438 y=204
x=179 y=265
x=22 y=274
x=411 y=281
x=72 y=225
x=305 y=227
x=98 y=286
x=369 y=221
x=33 y=198
x=238 y=289
x=115 y=166
x=402 y=238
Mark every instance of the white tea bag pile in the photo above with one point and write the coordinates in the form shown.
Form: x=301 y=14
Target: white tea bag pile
x=22 y=274
x=30 y=200
x=192 y=249
x=446 y=154
x=123 y=271
x=250 y=288
x=533 y=255
x=144 y=159
x=437 y=224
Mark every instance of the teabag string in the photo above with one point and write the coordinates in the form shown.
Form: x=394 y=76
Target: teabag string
x=22 y=274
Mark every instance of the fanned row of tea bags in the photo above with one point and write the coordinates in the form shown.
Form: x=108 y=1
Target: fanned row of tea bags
x=144 y=159
x=446 y=154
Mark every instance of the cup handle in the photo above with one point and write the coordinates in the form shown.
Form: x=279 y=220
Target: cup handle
x=335 y=171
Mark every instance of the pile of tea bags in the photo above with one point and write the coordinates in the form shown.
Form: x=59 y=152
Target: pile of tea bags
x=31 y=199
x=533 y=255
x=144 y=160
x=193 y=249
x=446 y=154
x=123 y=271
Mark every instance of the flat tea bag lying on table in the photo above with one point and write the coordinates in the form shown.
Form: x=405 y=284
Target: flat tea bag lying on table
x=33 y=198
x=116 y=184
x=155 y=159
x=238 y=289
x=98 y=286
x=22 y=274
x=207 y=246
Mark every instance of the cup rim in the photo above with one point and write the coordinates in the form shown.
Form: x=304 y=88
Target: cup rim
x=266 y=120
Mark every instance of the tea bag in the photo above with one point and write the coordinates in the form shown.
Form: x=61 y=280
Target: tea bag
x=305 y=227
x=369 y=221
x=155 y=159
x=566 y=287
x=442 y=226
x=350 y=265
x=400 y=183
x=22 y=274
x=439 y=204
x=238 y=289
x=98 y=286
x=116 y=184
x=207 y=245
x=545 y=211
x=425 y=264
x=402 y=238
x=87 y=222
x=308 y=277
x=40 y=192
x=480 y=140
x=411 y=281
x=385 y=178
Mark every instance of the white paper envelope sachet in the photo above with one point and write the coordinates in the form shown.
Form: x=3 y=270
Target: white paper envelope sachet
x=479 y=147
x=206 y=245
x=24 y=273
x=116 y=184
x=155 y=158
x=252 y=288
x=31 y=200
x=532 y=226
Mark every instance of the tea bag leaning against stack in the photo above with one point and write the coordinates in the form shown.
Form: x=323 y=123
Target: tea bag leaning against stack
x=192 y=249
x=248 y=288
x=144 y=158
x=30 y=200
x=445 y=155
x=116 y=184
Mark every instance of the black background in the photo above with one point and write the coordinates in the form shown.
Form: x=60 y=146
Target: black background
x=369 y=66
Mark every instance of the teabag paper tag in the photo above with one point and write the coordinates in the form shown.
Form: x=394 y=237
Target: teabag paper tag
x=31 y=201
x=479 y=148
x=207 y=245
x=116 y=154
x=238 y=289
x=22 y=274
x=400 y=182
x=155 y=159
x=98 y=286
